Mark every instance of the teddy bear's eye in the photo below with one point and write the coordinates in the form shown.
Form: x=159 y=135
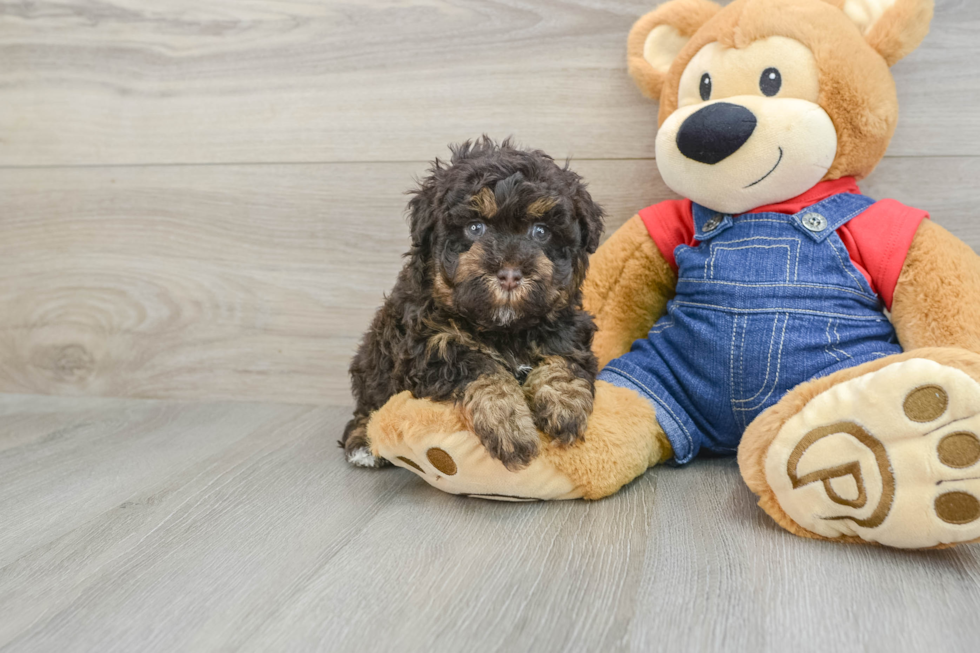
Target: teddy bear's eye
x=705 y=87
x=770 y=82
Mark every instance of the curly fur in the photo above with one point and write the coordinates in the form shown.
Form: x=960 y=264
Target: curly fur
x=561 y=398
x=450 y=322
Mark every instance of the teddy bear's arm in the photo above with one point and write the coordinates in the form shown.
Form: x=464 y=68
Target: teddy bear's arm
x=627 y=289
x=937 y=298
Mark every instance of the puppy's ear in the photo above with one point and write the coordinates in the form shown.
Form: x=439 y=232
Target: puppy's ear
x=892 y=27
x=590 y=218
x=422 y=211
x=658 y=37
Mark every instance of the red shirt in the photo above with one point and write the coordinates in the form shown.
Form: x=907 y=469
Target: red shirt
x=878 y=239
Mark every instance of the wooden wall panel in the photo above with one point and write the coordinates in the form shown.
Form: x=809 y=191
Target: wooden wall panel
x=255 y=281
x=177 y=81
x=205 y=200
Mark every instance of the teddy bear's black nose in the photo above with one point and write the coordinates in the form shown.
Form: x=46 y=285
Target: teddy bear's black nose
x=715 y=132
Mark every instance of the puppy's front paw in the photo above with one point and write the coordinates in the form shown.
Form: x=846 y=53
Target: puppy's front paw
x=561 y=402
x=498 y=414
x=562 y=417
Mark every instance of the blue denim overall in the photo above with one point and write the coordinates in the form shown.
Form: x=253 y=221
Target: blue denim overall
x=765 y=301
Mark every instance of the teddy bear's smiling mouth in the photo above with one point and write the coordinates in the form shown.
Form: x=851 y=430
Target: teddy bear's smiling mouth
x=754 y=183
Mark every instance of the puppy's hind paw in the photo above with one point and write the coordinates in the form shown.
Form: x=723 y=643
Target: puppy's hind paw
x=356 y=447
x=362 y=457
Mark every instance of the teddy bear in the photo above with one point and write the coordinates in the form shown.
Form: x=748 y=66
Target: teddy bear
x=828 y=340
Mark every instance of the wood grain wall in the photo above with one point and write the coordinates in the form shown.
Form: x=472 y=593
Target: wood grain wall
x=205 y=200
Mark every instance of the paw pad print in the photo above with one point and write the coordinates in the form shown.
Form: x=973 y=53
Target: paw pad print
x=959 y=450
x=438 y=458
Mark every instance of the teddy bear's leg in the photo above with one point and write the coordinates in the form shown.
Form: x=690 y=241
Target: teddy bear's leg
x=430 y=438
x=887 y=452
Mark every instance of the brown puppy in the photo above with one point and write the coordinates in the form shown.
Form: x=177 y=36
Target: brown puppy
x=488 y=310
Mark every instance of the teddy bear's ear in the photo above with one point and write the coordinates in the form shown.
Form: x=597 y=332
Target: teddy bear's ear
x=658 y=37
x=893 y=27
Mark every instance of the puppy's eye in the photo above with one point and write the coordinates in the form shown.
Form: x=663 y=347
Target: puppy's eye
x=539 y=232
x=770 y=82
x=705 y=87
x=475 y=229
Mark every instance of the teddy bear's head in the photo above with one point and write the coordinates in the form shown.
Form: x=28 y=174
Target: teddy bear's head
x=762 y=99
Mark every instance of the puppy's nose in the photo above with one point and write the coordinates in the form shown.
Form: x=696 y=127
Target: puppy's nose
x=509 y=278
x=715 y=132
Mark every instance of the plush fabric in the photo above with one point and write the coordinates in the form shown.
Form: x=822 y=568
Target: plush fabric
x=627 y=289
x=684 y=18
x=937 y=299
x=623 y=439
x=899 y=30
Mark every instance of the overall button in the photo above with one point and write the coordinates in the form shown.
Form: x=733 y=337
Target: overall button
x=814 y=222
x=713 y=223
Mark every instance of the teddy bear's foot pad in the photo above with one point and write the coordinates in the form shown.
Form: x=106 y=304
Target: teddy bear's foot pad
x=430 y=439
x=458 y=464
x=891 y=457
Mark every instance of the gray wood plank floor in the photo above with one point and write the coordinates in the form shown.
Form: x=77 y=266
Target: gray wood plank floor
x=133 y=525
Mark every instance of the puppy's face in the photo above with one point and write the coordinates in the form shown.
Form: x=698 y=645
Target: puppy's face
x=507 y=262
x=509 y=237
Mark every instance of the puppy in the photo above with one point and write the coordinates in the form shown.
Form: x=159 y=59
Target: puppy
x=487 y=310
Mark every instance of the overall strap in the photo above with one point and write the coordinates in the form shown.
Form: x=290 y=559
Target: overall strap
x=817 y=221
x=826 y=217
x=708 y=223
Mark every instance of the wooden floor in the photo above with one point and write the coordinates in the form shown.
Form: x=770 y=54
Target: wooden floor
x=136 y=525
x=201 y=204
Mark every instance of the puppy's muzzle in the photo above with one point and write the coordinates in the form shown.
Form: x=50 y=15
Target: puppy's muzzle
x=715 y=132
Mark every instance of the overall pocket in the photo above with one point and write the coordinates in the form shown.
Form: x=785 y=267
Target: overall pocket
x=760 y=259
